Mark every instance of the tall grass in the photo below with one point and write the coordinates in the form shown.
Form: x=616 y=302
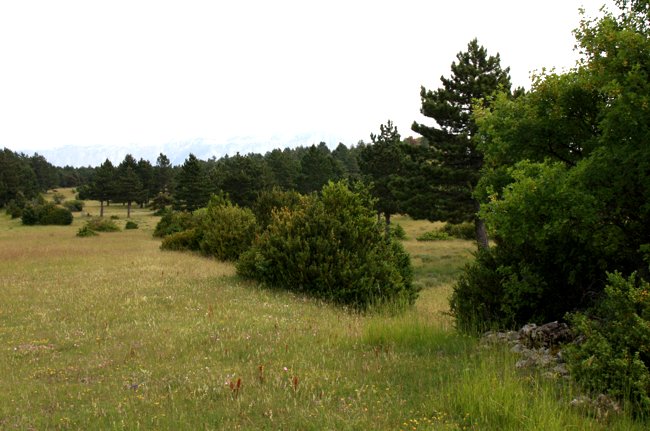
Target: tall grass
x=110 y=332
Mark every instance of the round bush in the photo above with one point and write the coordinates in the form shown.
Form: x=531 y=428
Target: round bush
x=331 y=247
x=185 y=240
x=51 y=214
x=227 y=230
x=173 y=222
x=102 y=225
x=131 y=225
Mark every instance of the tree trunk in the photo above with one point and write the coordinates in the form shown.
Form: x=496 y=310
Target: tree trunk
x=387 y=225
x=481 y=234
x=128 y=210
x=481 y=231
x=101 y=208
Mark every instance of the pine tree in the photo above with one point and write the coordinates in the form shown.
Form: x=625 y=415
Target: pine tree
x=128 y=186
x=102 y=187
x=380 y=164
x=452 y=162
x=191 y=191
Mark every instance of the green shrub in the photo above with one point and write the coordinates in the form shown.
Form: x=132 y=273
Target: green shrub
x=614 y=356
x=331 y=247
x=29 y=215
x=131 y=225
x=13 y=209
x=185 y=240
x=173 y=222
x=397 y=231
x=54 y=215
x=433 y=235
x=226 y=230
x=115 y=217
x=85 y=231
x=45 y=214
x=74 y=205
x=465 y=230
x=99 y=224
x=271 y=200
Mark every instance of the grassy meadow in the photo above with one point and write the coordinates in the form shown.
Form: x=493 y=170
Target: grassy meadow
x=110 y=332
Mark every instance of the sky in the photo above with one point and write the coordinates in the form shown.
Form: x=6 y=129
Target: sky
x=136 y=73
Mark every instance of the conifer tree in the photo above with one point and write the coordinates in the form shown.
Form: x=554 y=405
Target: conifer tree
x=191 y=191
x=452 y=162
x=380 y=164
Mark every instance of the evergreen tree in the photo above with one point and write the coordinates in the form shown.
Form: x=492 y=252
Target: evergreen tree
x=285 y=167
x=452 y=163
x=128 y=186
x=317 y=167
x=102 y=187
x=380 y=164
x=46 y=173
x=163 y=175
x=17 y=178
x=144 y=170
x=191 y=191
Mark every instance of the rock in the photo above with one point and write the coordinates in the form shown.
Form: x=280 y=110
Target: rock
x=548 y=335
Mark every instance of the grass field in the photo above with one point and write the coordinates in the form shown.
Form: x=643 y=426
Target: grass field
x=109 y=332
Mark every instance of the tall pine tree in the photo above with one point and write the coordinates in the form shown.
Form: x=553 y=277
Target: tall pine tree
x=380 y=164
x=452 y=163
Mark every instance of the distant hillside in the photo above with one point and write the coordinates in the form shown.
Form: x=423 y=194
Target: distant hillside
x=177 y=152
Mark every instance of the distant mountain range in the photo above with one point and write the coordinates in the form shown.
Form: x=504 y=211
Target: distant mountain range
x=177 y=152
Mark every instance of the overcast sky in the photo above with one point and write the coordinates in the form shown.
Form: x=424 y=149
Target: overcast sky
x=150 y=72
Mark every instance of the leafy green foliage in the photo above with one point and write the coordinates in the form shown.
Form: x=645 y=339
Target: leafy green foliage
x=227 y=230
x=331 y=247
x=568 y=182
x=614 y=354
x=130 y=225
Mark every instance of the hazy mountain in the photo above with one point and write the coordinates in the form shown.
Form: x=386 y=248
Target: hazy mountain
x=177 y=152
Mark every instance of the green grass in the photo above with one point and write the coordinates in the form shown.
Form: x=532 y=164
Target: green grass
x=110 y=332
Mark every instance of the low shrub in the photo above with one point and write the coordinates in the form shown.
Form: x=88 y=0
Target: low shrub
x=614 y=356
x=45 y=214
x=331 y=247
x=54 y=215
x=14 y=210
x=74 y=205
x=85 y=231
x=397 y=231
x=185 y=240
x=131 y=225
x=173 y=222
x=227 y=230
x=99 y=224
x=465 y=230
x=271 y=200
x=433 y=235
x=115 y=217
